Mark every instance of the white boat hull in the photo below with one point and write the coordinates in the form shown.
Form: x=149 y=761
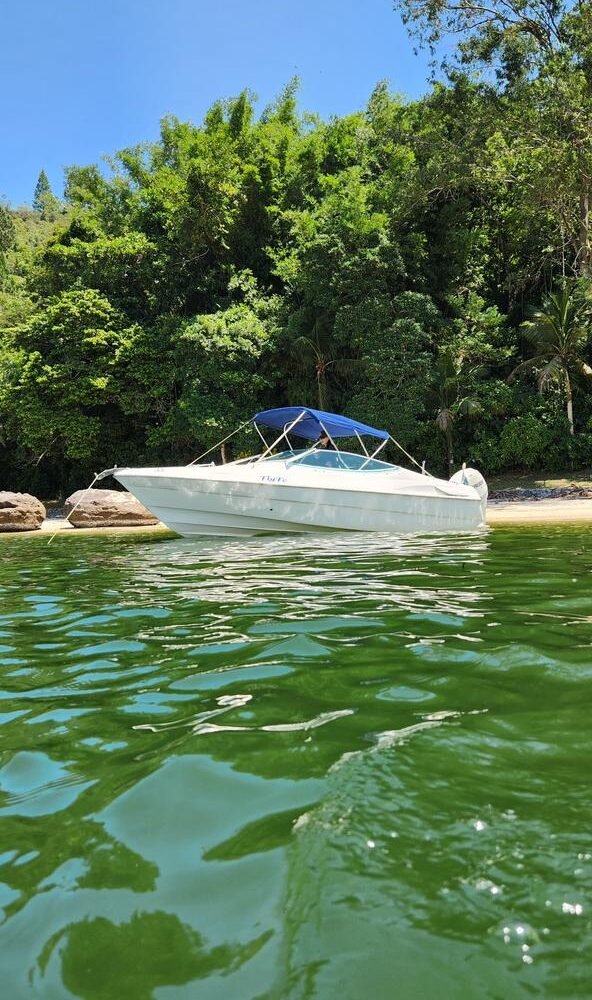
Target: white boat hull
x=242 y=500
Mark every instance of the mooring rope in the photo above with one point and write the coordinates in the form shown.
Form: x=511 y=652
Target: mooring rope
x=421 y=468
x=107 y=472
x=98 y=475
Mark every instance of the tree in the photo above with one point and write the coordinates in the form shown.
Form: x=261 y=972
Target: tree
x=7 y=239
x=559 y=333
x=341 y=269
x=379 y=263
x=396 y=350
x=448 y=396
x=541 y=51
x=511 y=29
x=126 y=269
x=44 y=200
x=240 y=115
x=7 y=230
x=315 y=354
x=61 y=390
x=222 y=359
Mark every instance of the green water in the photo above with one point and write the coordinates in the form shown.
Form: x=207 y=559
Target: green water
x=341 y=767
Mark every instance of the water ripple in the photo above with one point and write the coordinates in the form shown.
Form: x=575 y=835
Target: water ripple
x=296 y=767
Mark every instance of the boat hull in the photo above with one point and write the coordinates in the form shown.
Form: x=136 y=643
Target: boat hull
x=211 y=503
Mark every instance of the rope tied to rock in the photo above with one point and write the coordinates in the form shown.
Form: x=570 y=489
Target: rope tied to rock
x=98 y=475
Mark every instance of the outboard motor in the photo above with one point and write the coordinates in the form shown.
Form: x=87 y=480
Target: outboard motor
x=472 y=477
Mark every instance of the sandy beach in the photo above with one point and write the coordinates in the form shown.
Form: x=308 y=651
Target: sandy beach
x=56 y=525
x=565 y=510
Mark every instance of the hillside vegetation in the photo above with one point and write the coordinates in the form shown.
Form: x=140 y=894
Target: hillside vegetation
x=422 y=265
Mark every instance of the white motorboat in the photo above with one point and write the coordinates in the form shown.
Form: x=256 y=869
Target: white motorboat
x=319 y=488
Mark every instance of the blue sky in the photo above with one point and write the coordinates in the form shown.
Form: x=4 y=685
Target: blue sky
x=80 y=79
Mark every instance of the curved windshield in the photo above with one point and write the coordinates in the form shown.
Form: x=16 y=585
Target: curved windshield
x=283 y=456
x=322 y=458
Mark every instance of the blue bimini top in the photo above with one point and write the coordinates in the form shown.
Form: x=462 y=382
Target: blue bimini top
x=313 y=423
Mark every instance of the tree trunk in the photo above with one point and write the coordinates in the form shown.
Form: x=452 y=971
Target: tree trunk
x=322 y=388
x=584 y=235
x=569 y=402
x=449 y=449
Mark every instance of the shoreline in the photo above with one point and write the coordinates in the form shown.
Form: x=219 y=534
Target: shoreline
x=552 y=510
x=59 y=526
x=500 y=513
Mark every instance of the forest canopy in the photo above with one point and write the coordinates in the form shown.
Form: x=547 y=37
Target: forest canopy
x=422 y=265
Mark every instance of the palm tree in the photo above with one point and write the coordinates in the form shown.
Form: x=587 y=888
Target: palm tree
x=446 y=397
x=315 y=354
x=559 y=333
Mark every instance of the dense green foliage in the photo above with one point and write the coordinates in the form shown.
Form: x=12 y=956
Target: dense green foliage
x=382 y=264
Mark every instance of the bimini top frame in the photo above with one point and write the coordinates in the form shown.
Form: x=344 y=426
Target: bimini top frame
x=312 y=424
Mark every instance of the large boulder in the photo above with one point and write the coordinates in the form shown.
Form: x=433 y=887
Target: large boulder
x=20 y=512
x=107 y=509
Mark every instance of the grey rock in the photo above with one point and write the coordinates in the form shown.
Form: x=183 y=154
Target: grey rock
x=541 y=493
x=107 y=509
x=20 y=512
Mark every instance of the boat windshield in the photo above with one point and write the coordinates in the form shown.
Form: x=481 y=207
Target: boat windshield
x=327 y=459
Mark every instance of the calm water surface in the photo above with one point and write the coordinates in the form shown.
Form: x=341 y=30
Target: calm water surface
x=341 y=767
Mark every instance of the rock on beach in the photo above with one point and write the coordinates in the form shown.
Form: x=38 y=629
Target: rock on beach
x=20 y=512
x=541 y=493
x=107 y=509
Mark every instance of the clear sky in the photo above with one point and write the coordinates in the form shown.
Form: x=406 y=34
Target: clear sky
x=80 y=79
